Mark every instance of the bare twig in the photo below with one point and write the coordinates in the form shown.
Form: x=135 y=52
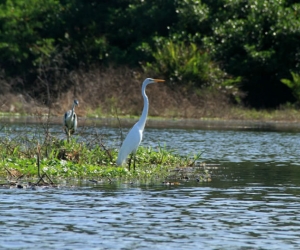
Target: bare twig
x=38 y=159
x=105 y=149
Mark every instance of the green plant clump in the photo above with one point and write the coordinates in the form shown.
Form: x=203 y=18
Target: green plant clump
x=31 y=157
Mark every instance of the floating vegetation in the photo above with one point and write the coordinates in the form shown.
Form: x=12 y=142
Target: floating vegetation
x=45 y=161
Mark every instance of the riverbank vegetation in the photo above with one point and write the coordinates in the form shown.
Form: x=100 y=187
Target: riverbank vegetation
x=212 y=54
x=116 y=92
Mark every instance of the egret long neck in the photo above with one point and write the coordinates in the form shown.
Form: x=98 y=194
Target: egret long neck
x=143 y=118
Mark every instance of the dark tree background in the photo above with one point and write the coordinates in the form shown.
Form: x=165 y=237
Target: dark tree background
x=256 y=41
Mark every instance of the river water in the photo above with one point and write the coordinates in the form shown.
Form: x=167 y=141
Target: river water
x=252 y=202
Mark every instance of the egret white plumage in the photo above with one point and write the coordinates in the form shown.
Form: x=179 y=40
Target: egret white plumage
x=135 y=135
x=70 y=120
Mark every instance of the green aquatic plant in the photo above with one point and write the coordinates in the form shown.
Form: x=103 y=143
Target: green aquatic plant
x=32 y=156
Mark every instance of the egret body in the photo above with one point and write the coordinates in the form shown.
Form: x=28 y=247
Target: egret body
x=135 y=135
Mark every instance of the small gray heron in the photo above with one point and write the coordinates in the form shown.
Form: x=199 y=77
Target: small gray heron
x=70 y=120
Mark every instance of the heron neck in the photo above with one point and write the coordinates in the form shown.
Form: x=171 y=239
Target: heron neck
x=143 y=118
x=73 y=109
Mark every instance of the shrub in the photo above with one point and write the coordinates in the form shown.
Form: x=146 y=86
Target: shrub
x=294 y=85
x=185 y=64
x=180 y=62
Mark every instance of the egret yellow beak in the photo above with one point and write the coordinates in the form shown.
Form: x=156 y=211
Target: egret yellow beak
x=159 y=80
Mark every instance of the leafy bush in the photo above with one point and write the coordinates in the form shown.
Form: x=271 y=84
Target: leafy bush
x=294 y=85
x=185 y=64
x=180 y=62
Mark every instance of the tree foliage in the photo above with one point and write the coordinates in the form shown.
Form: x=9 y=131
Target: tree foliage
x=256 y=40
x=259 y=41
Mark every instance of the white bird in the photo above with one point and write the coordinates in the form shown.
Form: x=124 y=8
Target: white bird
x=70 y=120
x=135 y=135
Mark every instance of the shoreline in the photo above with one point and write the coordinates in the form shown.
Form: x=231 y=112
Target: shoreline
x=156 y=122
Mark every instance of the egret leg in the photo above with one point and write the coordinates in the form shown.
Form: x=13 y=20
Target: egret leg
x=134 y=162
x=129 y=162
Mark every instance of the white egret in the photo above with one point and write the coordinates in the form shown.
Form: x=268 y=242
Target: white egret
x=135 y=135
x=70 y=120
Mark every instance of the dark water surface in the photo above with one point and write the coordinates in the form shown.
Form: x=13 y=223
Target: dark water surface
x=252 y=202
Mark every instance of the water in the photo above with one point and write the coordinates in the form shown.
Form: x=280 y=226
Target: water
x=252 y=201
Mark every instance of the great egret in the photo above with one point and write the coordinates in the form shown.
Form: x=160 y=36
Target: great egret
x=135 y=135
x=70 y=120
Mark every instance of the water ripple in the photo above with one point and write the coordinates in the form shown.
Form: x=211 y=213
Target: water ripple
x=188 y=218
